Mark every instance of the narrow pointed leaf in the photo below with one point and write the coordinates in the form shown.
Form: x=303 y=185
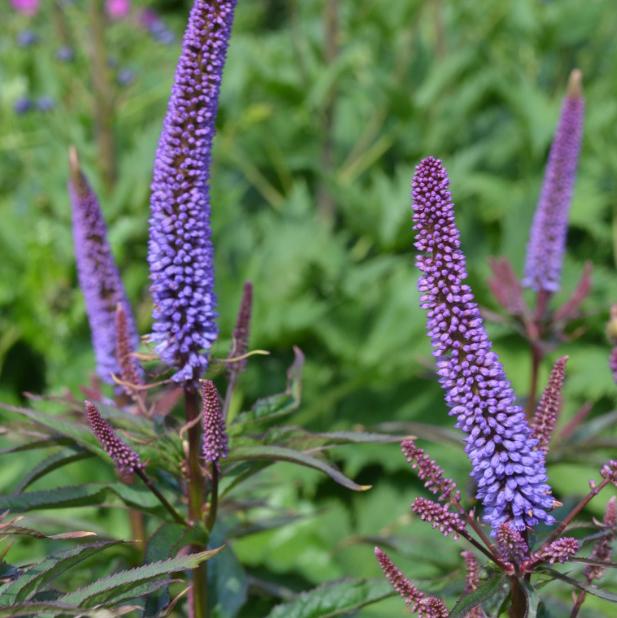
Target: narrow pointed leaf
x=106 y=589
x=485 y=591
x=61 y=497
x=334 y=599
x=55 y=461
x=35 y=577
x=280 y=453
x=589 y=588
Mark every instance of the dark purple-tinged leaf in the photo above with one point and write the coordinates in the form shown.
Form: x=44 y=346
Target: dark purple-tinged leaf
x=279 y=453
x=487 y=589
x=600 y=563
x=589 y=588
x=358 y=437
x=106 y=589
x=506 y=287
x=61 y=497
x=334 y=599
x=424 y=431
x=570 y=309
x=41 y=573
x=55 y=461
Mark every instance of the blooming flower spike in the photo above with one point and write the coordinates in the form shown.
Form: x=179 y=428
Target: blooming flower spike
x=125 y=458
x=507 y=466
x=215 y=442
x=548 y=231
x=180 y=251
x=98 y=274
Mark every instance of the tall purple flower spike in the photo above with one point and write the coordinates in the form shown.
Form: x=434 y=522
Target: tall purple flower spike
x=507 y=466
x=98 y=274
x=180 y=251
x=548 y=232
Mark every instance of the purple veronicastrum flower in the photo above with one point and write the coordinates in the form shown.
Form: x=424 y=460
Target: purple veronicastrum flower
x=548 y=231
x=180 y=249
x=98 y=274
x=507 y=466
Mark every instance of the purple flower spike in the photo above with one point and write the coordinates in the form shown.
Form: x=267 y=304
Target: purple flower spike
x=548 y=232
x=472 y=581
x=433 y=476
x=180 y=250
x=417 y=601
x=98 y=274
x=125 y=458
x=507 y=466
x=438 y=516
x=604 y=547
x=215 y=442
x=549 y=406
x=240 y=342
x=558 y=551
x=512 y=546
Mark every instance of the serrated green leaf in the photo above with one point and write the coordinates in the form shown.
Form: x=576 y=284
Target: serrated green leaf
x=280 y=453
x=107 y=588
x=334 y=599
x=35 y=577
x=61 y=497
x=485 y=591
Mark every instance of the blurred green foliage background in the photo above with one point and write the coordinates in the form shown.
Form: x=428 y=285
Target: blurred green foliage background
x=326 y=108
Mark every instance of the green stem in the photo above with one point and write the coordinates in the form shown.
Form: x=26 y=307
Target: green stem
x=518 y=605
x=214 y=498
x=103 y=96
x=161 y=498
x=199 y=596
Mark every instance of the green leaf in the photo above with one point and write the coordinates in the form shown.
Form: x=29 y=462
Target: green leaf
x=275 y=406
x=334 y=599
x=485 y=591
x=61 y=497
x=35 y=577
x=598 y=592
x=49 y=464
x=106 y=589
x=280 y=453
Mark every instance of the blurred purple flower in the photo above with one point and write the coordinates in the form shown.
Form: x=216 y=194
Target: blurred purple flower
x=125 y=77
x=45 y=104
x=27 y=7
x=117 y=9
x=180 y=251
x=23 y=105
x=98 y=274
x=506 y=464
x=27 y=38
x=548 y=232
x=65 y=54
